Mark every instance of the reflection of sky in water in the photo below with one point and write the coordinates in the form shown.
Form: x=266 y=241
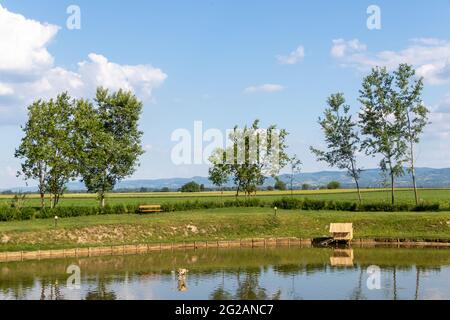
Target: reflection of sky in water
x=323 y=282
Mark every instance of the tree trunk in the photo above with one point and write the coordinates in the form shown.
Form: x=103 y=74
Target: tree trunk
x=42 y=200
x=355 y=177
x=413 y=173
x=413 y=170
x=102 y=200
x=359 y=191
x=292 y=187
x=51 y=201
x=392 y=188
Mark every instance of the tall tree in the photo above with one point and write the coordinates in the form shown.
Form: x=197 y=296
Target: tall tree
x=414 y=114
x=381 y=121
x=341 y=138
x=47 y=148
x=295 y=167
x=34 y=147
x=109 y=139
x=61 y=155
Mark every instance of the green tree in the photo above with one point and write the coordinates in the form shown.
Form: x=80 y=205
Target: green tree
x=392 y=118
x=279 y=184
x=341 y=138
x=413 y=112
x=333 y=185
x=295 y=165
x=47 y=147
x=191 y=187
x=108 y=139
x=219 y=173
x=253 y=155
x=34 y=147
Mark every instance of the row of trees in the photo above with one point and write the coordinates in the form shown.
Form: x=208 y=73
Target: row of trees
x=66 y=138
x=391 y=121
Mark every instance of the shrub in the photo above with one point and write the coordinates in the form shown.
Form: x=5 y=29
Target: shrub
x=334 y=185
x=191 y=187
x=427 y=207
x=288 y=203
x=26 y=214
x=7 y=214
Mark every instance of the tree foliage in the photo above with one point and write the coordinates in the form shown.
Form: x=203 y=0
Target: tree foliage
x=66 y=138
x=252 y=155
x=109 y=139
x=341 y=138
x=47 y=148
x=392 y=118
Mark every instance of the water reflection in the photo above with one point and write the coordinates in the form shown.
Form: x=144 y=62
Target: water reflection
x=275 y=273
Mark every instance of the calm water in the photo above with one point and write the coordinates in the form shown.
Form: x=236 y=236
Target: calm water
x=278 y=273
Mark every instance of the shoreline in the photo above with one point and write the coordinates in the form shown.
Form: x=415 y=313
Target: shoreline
x=117 y=250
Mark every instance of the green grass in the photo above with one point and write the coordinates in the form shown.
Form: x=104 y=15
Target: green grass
x=369 y=195
x=215 y=224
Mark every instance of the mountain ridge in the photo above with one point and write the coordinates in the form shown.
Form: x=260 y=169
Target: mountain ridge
x=370 y=178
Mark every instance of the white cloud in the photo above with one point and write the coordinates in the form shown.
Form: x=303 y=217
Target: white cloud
x=292 y=58
x=430 y=57
x=5 y=90
x=264 y=88
x=24 y=43
x=31 y=73
x=141 y=79
x=444 y=105
x=341 y=47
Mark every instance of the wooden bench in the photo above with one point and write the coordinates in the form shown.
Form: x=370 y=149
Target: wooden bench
x=150 y=208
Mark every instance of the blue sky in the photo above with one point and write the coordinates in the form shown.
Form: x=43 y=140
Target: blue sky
x=218 y=62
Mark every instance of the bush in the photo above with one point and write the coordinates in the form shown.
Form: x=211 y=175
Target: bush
x=26 y=214
x=334 y=185
x=191 y=187
x=7 y=214
x=196 y=205
x=427 y=207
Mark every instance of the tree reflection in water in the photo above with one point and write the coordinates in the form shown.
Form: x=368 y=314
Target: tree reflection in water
x=101 y=293
x=50 y=290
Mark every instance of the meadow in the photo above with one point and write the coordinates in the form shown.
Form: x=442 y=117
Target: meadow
x=222 y=223
x=403 y=196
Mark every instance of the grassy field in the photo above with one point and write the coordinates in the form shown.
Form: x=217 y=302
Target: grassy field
x=214 y=224
x=369 y=195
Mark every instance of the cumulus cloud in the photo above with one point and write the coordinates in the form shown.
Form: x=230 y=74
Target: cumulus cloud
x=444 y=104
x=264 y=88
x=292 y=58
x=24 y=43
x=28 y=71
x=430 y=57
x=342 y=48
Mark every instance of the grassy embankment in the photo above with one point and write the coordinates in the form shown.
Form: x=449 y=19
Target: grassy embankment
x=214 y=224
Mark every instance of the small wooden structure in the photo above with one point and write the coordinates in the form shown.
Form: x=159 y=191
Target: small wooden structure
x=341 y=232
x=150 y=208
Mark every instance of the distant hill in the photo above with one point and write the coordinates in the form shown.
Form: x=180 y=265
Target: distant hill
x=371 y=178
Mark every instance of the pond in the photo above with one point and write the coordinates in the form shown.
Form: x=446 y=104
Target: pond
x=261 y=273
